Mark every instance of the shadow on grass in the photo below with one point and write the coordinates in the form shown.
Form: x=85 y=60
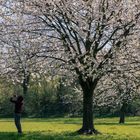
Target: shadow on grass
x=59 y=136
x=38 y=136
x=51 y=136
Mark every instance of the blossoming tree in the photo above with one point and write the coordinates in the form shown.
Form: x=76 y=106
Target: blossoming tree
x=89 y=32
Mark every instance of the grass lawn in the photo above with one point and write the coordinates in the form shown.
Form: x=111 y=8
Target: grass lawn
x=64 y=129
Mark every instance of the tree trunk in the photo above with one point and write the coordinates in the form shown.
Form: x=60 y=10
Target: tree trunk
x=88 y=124
x=122 y=113
x=25 y=88
x=26 y=84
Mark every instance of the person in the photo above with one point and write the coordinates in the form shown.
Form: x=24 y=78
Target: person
x=18 y=101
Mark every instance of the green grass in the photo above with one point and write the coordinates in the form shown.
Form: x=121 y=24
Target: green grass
x=64 y=129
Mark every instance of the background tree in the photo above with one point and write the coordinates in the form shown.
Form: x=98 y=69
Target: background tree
x=121 y=87
x=18 y=48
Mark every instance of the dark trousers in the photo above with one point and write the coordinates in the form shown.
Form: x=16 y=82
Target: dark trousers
x=17 y=117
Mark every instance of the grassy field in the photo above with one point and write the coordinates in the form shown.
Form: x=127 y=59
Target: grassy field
x=64 y=129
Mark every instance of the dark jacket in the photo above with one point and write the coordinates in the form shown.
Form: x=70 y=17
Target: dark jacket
x=18 y=105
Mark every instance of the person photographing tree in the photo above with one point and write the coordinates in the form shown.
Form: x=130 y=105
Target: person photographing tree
x=18 y=101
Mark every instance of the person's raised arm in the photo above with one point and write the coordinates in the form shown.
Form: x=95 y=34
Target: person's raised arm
x=13 y=99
